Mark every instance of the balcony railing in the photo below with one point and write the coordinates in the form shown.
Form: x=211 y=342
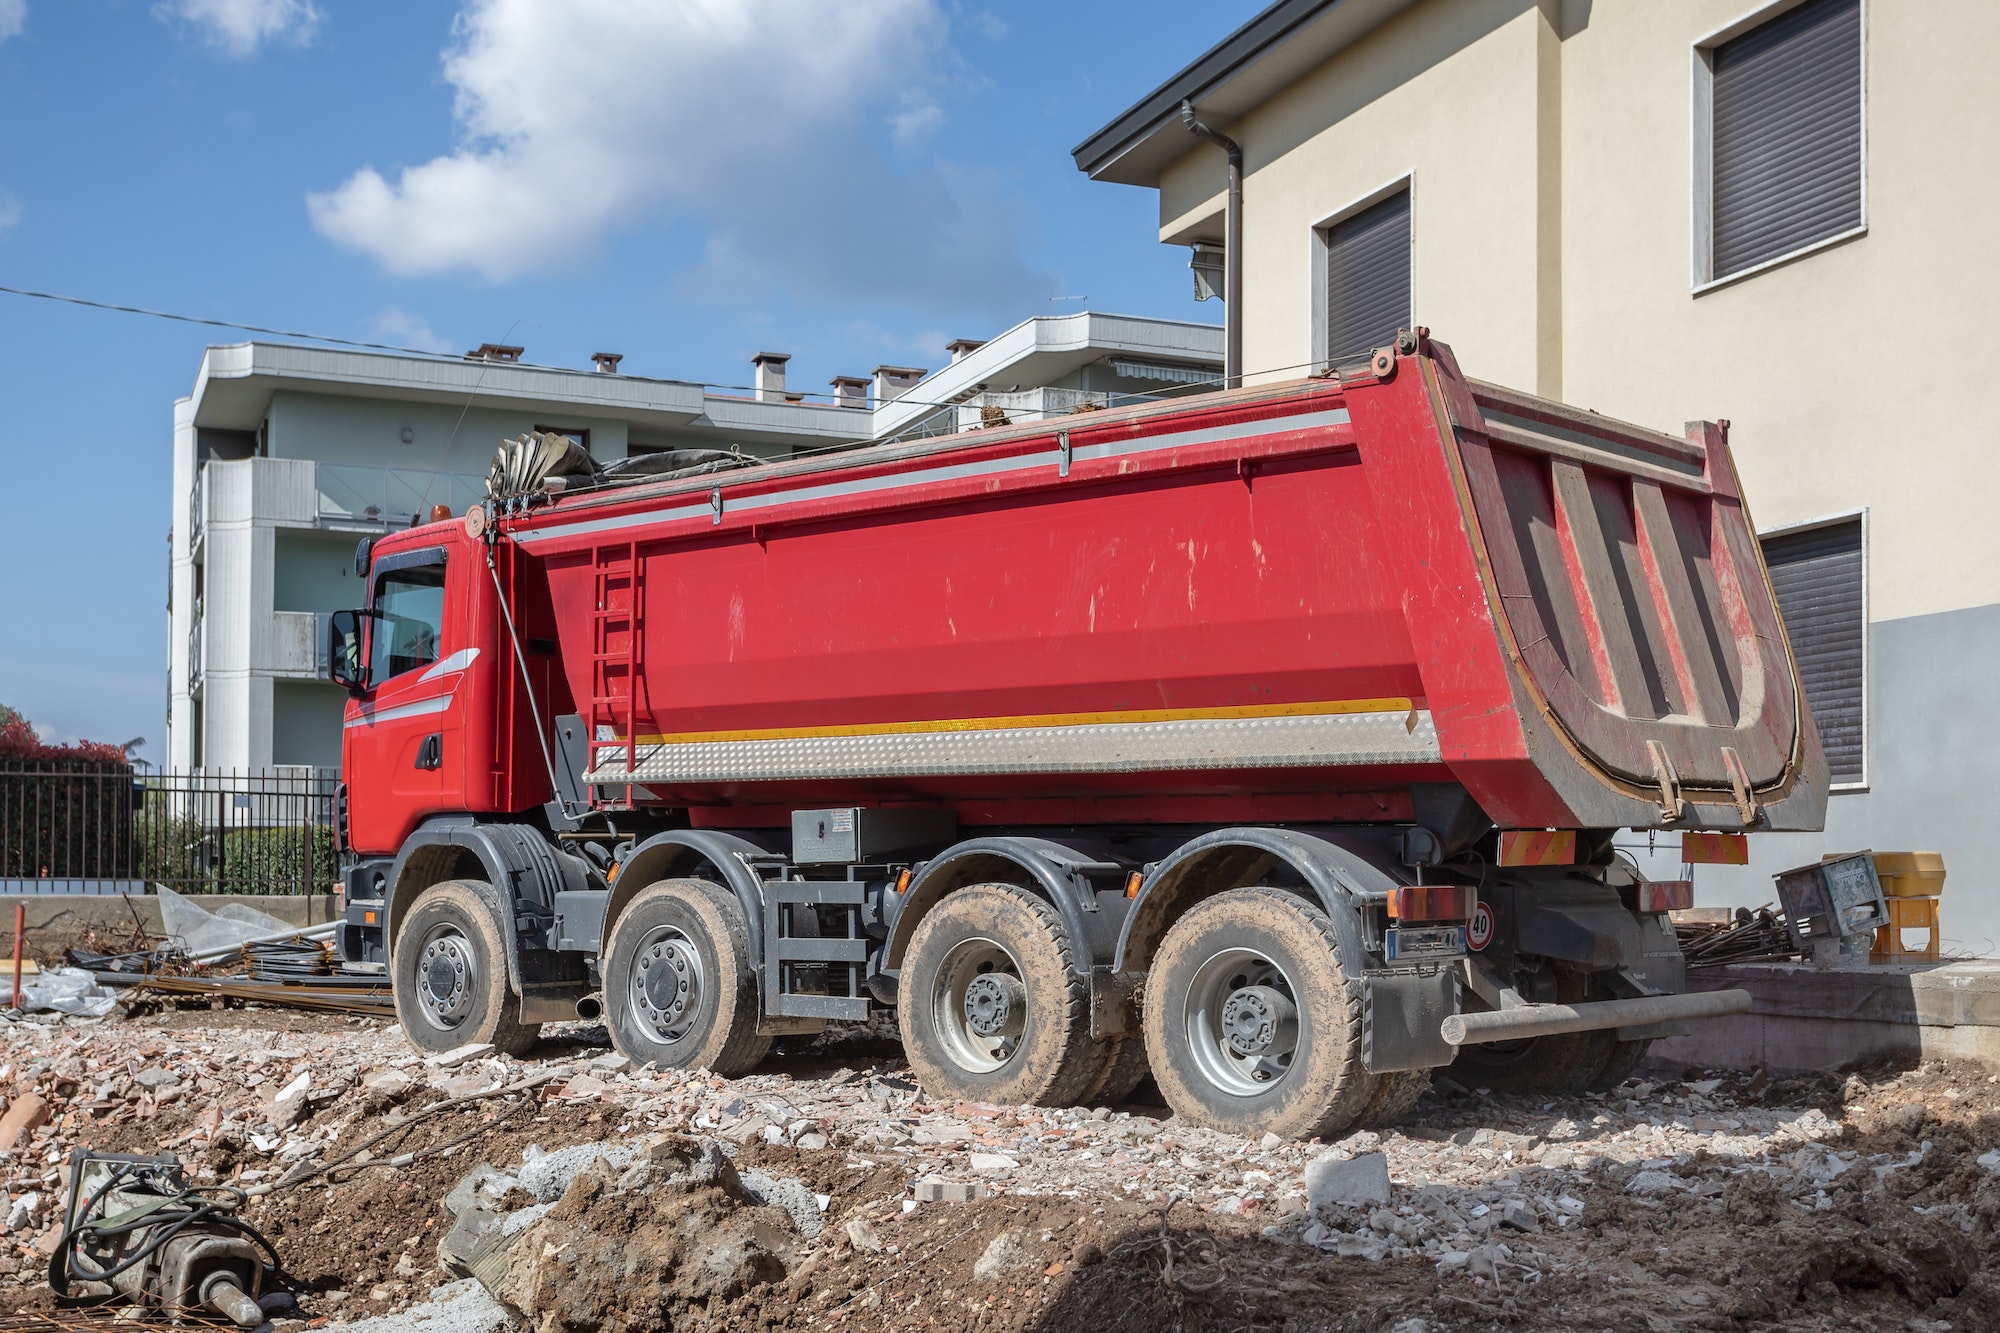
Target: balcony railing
x=391 y=496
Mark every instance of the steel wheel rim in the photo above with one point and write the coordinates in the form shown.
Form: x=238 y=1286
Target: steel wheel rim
x=973 y=970
x=667 y=983
x=1240 y=997
x=448 y=982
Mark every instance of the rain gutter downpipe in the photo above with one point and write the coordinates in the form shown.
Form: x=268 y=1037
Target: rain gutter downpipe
x=1232 y=249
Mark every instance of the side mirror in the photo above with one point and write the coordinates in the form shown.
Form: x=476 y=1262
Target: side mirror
x=347 y=650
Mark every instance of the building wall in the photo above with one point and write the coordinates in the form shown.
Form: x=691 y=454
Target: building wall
x=1550 y=149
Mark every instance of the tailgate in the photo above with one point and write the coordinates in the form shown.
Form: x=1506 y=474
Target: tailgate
x=1635 y=592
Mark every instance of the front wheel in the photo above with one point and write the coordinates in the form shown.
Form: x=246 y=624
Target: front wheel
x=1251 y=1026
x=449 y=973
x=679 y=988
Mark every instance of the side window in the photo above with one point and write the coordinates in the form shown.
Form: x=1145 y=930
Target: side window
x=409 y=618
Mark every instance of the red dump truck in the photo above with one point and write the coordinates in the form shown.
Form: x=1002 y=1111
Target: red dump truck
x=1272 y=741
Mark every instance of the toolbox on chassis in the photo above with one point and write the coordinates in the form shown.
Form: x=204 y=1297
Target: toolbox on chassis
x=1261 y=738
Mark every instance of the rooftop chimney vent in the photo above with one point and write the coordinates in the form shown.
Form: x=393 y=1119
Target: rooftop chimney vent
x=960 y=348
x=606 y=362
x=495 y=352
x=892 y=382
x=770 y=369
x=850 y=390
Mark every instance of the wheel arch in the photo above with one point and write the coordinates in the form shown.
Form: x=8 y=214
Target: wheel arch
x=682 y=854
x=522 y=870
x=1334 y=870
x=1042 y=866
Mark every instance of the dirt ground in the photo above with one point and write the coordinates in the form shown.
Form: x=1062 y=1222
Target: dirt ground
x=1689 y=1200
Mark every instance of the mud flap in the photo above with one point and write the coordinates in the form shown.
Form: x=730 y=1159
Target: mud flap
x=1402 y=1014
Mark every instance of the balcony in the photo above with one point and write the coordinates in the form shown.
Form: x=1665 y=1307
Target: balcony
x=389 y=496
x=296 y=649
x=303 y=493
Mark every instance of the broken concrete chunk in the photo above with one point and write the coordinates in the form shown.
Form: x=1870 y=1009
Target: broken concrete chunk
x=458 y=1055
x=862 y=1236
x=991 y=1161
x=1002 y=1253
x=289 y=1105
x=1351 y=1181
x=614 y=1063
x=950 y=1191
x=1652 y=1183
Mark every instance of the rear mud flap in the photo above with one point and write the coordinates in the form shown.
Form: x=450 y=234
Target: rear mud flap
x=1402 y=1014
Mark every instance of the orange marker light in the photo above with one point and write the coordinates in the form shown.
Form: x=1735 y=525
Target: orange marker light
x=367 y=918
x=903 y=882
x=1132 y=883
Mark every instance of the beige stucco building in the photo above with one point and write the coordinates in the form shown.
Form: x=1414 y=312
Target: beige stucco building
x=1774 y=213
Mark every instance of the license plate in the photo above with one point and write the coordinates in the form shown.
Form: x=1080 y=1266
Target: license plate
x=1423 y=942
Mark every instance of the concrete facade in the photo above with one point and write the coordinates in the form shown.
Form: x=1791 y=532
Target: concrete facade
x=1553 y=151
x=285 y=457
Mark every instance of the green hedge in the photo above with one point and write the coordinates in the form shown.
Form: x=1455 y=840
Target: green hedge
x=66 y=819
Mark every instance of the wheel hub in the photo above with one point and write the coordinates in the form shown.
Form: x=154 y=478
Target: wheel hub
x=996 y=1005
x=1253 y=1017
x=447 y=978
x=666 y=985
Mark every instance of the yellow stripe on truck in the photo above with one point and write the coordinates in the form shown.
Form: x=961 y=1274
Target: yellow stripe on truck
x=1320 y=709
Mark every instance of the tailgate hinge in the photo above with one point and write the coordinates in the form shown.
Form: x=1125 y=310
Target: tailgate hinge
x=1671 y=805
x=1739 y=783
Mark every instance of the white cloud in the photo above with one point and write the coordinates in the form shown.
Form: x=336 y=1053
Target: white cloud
x=399 y=326
x=762 y=121
x=10 y=207
x=13 y=17
x=241 y=26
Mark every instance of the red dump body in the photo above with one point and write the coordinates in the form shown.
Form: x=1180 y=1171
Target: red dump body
x=1279 y=604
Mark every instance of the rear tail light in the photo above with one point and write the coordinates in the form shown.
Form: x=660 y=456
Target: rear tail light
x=1433 y=902
x=1666 y=895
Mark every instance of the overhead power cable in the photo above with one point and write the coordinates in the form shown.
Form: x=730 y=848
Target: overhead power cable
x=431 y=354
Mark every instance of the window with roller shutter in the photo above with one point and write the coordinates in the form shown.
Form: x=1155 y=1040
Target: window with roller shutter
x=1782 y=109
x=1364 y=295
x=1821 y=585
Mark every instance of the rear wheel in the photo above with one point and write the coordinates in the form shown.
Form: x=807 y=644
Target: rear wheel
x=992 y=1010
x=1125 y=1068
x=1395 y=1097
x=1621 y=1058
x=679 y=988
x=449 y=973
x=1251 y=1026
x=1563 y=1064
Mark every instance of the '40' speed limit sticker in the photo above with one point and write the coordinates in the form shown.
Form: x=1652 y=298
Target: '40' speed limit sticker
x=1479 y=931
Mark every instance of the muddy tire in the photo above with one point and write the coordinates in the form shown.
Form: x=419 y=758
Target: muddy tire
x=448 y=971
x=1620 y=1059
x=1395 y=1097
x=1561 y=1065
x=1125 y=1068
x=1250 y=1024
x=991 y=1009
x=679 y=988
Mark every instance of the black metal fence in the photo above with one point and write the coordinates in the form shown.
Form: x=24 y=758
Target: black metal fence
x=77 y=827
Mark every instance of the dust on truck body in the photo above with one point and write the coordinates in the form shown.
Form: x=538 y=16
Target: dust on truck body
x=1250 y=738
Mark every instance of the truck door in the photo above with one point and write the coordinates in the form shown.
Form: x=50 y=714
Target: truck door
x=396 y=734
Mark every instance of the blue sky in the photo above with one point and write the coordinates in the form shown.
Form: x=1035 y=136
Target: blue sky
x=683 y=181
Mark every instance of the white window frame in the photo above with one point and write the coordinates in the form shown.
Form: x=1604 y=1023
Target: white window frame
x=1701 y=159
x=1867 y=629
x=1405 y=182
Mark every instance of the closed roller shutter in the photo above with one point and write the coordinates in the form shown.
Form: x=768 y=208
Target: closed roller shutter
x=1786 y=131
x=1368 y=279
x=1817 y=575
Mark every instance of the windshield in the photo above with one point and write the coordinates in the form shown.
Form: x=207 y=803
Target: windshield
x=409 y=618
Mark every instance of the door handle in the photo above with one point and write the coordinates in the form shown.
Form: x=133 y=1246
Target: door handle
x=431 y=753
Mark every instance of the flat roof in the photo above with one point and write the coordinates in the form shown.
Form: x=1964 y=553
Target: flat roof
x=1273 y=50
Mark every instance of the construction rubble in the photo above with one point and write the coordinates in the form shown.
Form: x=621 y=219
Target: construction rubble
x=570 y=1191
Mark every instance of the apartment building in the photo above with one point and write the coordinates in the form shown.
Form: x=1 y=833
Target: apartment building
x=1764 y=212
x=286 y=456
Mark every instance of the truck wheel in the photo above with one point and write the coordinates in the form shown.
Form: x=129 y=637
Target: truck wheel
x=1125 y=1068
x=679 y=987
x=1395 y=1097
x=1250 y=1023
x=1620 y=1059
x=1563 y=1064
x=991 y=1009
x=449 y=973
